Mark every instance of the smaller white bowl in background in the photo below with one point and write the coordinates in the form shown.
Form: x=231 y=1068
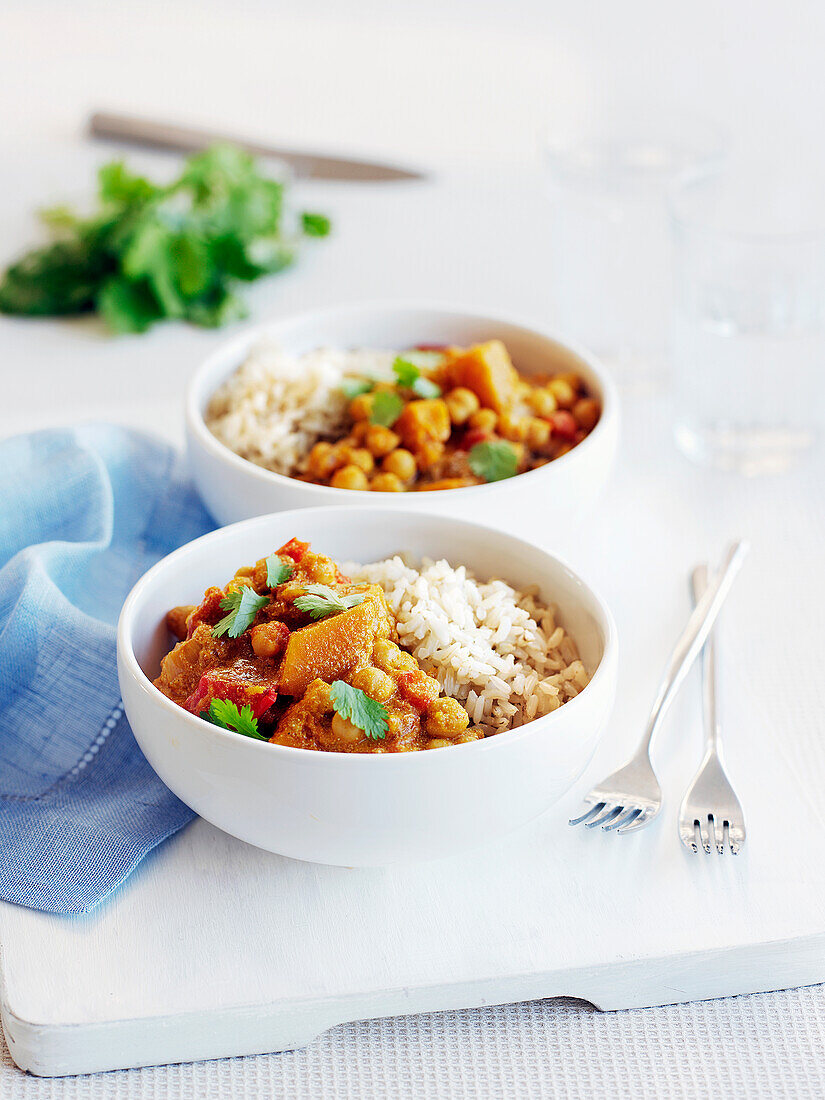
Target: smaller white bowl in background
x=234 y=489
x=357 y=809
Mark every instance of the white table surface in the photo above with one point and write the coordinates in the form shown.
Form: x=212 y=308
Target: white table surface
x=767 y=1045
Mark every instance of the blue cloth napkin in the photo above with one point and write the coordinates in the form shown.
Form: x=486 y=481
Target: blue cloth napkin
x=83 y=513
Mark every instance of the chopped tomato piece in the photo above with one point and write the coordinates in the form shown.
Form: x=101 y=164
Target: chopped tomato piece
x=215 y=684
x=564 y=425
x=473 y=436
x=294 y=549
x=269 y=639
x=418 y=688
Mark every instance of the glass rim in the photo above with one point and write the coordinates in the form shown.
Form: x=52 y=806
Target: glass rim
x=695 y=137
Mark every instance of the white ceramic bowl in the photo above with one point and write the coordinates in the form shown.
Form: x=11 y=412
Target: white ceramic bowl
x=356 y=809
x=234 y=489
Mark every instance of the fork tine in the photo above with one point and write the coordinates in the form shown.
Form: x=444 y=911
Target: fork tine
x=609 y=813
x=643 y=818
x=718 y=829
x=630 y=814
x=736 y=834
x=599 y=806
x=686 y=835
x=706 y=830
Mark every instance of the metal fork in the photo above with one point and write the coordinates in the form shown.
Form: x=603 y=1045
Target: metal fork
x=710 y=814
x=631 y=798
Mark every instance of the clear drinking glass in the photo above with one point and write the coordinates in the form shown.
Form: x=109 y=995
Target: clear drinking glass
x=610 y=260
x=748 y=323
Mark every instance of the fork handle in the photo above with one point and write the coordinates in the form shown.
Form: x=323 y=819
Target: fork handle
x=694 y=636
x=699 y=581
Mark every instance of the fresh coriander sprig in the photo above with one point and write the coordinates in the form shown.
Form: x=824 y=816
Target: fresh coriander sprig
x=154 y=251
x=359 y=708
x=386 y=408
x=241 y=606
x=277 y=571
x=321 y=600
x=494 y=461
x=410 y=377
x=225 y=713
x=354 y=387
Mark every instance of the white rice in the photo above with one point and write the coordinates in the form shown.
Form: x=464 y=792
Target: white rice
x=497 y=650
x=277 y=406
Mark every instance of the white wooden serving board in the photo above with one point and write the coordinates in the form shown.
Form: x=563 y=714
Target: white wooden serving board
x=213 y=948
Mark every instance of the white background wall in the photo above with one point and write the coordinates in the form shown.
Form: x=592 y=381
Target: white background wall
x=429 y=80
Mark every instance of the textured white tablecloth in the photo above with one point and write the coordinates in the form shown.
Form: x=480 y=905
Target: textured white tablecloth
x=769 y=1045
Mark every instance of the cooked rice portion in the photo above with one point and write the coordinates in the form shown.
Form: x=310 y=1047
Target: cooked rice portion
x=498 y=650
x=277 y=406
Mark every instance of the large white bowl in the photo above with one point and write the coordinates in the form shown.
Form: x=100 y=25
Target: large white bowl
x=235 y=489
x=363 y=809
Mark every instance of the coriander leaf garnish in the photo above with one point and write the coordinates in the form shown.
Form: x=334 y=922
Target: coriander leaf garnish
x=277 y=571
x=357 y=707
x=424 y=387
x=316 y=225
x=405 y=371
x=410 y=377
x=354 y=387
x=225 y=713
x=494 y=461
x=321 y=600
x=386 y=408
x=242 y=606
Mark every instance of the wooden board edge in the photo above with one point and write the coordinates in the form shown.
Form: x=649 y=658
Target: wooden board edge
x=49 y=1050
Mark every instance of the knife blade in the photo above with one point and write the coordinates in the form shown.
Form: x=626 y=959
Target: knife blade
x=187 y=139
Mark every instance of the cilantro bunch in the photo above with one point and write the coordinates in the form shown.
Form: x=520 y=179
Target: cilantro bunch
x=155 y=252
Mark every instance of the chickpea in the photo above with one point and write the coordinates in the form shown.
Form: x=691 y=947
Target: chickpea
x=484 y=420
x=358 y=456
x=388 y=657
x=543 y=402
x=360 y=407
x=438 y=743
x=344 y=730
x=513 y=428
x=387 y=483
x=571 y=378
x=380 y=440
x=401 y=463
x=446 y=718
x=520 y=450
x=586 y=411
x=318 y=698
x=377 y=684
x=268 y=639
x=349 y=477
x=563 y=392
x=360 y=430
x=318 y=568
x=461 y=403
x=538 y=433
x=321 y=461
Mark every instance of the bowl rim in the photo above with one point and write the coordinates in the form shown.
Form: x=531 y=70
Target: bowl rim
x=242 y=341
x=129 y=662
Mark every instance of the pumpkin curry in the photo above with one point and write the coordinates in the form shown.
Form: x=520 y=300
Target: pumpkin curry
x=451 y=418
x=293 y=652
